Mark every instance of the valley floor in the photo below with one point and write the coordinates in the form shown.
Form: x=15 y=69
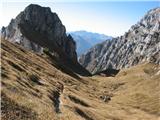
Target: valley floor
x=133 y=95
x=32 y=87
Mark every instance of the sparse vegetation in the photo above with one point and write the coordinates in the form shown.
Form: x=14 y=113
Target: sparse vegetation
x=33 y=93
x=82 y=114
x=78 y=101
x=46 y=51
x=35 y=79
x=55 y=97
x=15 y=66
x=12 y=111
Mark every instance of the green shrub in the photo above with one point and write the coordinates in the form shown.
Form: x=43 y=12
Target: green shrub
x=46 y=51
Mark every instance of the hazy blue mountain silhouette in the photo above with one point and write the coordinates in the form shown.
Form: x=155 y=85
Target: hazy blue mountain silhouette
x=86 y=40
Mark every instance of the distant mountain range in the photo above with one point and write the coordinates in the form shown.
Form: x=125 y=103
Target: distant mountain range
x=86 y=40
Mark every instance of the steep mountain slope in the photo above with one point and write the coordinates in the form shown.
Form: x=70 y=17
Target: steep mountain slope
x=86 y=40
x=141 y=43
x=37 y=28
x=34 y=89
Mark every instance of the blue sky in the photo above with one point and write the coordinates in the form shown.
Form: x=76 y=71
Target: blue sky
x=108 y=17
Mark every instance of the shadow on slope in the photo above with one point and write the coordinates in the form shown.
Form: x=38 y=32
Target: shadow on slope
x=67 y=66
x=10 y=110
x=108 y=73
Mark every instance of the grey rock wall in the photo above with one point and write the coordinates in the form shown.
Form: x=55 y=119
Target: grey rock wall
x=140 y=44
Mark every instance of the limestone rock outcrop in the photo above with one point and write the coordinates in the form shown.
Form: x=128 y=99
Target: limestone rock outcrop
x=37 y=28
x=140 y=44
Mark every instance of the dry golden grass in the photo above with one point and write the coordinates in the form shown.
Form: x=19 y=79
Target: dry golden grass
x=30 y=90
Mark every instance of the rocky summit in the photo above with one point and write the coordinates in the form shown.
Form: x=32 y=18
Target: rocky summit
x=140 y=44
x=37 y=28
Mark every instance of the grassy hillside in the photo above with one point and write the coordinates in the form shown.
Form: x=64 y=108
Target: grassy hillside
x=35 y=87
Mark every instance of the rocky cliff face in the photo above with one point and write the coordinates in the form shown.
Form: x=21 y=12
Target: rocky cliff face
x=36 y=28
x=141 y=43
